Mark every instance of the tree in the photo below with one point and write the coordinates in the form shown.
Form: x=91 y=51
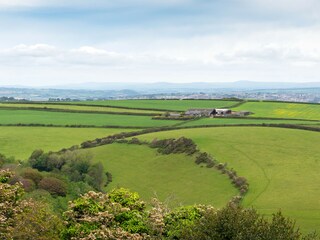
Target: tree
x=117 y=215
x=24 y=219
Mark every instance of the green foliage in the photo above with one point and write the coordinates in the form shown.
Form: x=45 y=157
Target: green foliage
x=169 y=146
x=54 y=186
x=38 y=160
x=120 y=210
x=76 y=165
x=24 y=219
x=235 y=222
x=181 y=218
x=127 y=199
x=32 y=174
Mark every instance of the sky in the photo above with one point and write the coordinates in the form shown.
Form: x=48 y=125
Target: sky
x=56 y=42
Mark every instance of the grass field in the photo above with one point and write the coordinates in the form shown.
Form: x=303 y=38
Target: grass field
x=63 y=118
x=230 y=121
x=282 y=110
x=172 y=105
x=75 y=108
x=21 y=141
x=281 y=165
x=175 y=177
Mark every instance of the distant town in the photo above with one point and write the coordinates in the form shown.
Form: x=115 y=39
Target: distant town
x=310 y=95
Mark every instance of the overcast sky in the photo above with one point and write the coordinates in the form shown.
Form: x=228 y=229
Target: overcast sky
x=54 y=42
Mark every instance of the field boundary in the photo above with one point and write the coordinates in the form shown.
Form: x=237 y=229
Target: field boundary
x=77 y=111
x=167 y=128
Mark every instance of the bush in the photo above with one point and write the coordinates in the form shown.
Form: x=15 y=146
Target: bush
x=183 y=217
x=27 y=184
x=117 y=215
x=38 y=160
x=32 y=174
x=54 y=186
x=235 y=222
x=168 y=146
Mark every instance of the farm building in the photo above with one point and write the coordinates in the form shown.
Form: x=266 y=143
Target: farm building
x=207 y=112
x=221 y=112
x=215 y=112
x=199 y=112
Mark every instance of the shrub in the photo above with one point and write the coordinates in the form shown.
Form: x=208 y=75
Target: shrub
x=117 y=215
x=27 y=184
x=180 y=218
x=54 y=186
x=239 y=181
x=235 y=222
x=38 y=160
x=32 y=174
x=168 y=146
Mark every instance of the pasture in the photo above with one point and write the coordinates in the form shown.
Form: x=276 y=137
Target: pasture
x=233 y=121
x=57 y=106
x=170 y=105
x=66 y=118
x=282 y=166
x=21 y=141
x=282 y=110
x=175 y=178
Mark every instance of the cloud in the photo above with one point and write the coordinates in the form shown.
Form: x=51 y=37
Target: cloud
x=88 y=4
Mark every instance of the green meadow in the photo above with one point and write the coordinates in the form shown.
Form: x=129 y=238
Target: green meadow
x=282 y=110
x=21 y=141
x=282 y=166
x=234 y=121
x=66 y=118
x=75 y=108
x=173 y=178
x=171 y=105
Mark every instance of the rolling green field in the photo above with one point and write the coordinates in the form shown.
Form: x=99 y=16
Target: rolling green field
x=172 y=105
x=169 y=177
x=231 y=121
x=281 y=165
x=21 y=141
x=282 y=110
x=76 y=108
x=64 y=118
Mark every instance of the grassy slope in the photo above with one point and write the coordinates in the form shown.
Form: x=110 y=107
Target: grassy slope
x=281 y=165
x=21 y=141
x=282 y=110
x=61 y=118
x=178 y=105
x=142 y=169
x=219 y=121
x=77 y=108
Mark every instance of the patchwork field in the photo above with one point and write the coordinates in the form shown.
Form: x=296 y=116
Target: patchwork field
x=172 y=105
x=175 y=177
x=282 y=110
x=76 y=108
x=21 y=141
x=65 y=118
x=281 y=165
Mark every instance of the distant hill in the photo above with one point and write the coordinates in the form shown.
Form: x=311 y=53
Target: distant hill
x=187 y=87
